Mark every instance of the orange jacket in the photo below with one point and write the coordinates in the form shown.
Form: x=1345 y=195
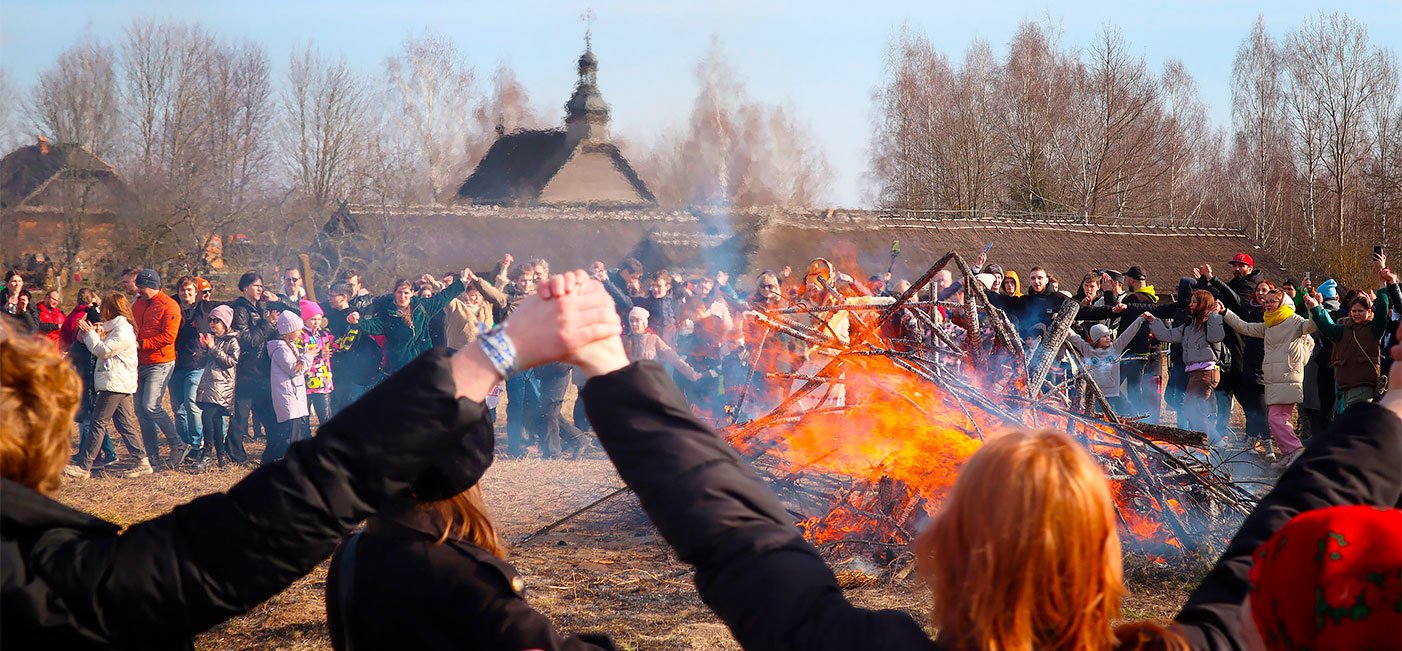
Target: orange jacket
x=157 y=322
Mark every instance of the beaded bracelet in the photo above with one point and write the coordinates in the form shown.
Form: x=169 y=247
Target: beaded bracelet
x=499 y=351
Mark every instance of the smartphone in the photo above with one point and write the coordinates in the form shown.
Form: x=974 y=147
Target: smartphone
x=986 y=248
x=1378 y=250
x=1307 y=280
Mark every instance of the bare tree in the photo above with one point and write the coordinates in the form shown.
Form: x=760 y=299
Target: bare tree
x=1188 y=144
x=325 y=112
x=1038 y=86
x=1385 y=123
x=11 y=132
x=507 y=109
x=1259 y=120
x=1334 y=76
x=432 y=88
x=1116 y=157
x=75 y=101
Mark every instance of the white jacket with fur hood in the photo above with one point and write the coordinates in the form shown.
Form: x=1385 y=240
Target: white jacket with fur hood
x=116 y=356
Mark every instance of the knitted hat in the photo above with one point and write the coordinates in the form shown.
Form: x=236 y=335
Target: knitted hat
x=1331 y=579
x=223 y=313
x=1100 y=330
x=995 y=269
x=1293 y=282
x=288 y=322
x=310 y=309
x=148 y=279
x=202 y=285
x=987 y=280
x=638 y=312
x=1329 y=288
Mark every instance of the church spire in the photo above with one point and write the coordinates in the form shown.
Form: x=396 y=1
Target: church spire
x=587 y=114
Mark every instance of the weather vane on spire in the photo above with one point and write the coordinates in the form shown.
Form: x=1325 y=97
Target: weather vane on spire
x=588 y=18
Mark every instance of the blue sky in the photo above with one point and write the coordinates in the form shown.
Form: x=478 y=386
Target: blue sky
x=822 y=57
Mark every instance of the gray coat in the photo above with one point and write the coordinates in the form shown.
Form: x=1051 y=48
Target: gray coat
x=220 y=371
x=1197 y=342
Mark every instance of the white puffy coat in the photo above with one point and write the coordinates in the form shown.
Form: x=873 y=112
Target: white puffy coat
x=1288 y=348
x=116 y=356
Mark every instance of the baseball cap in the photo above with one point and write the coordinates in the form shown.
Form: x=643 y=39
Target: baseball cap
x=1136 y=273
x=1242 y=258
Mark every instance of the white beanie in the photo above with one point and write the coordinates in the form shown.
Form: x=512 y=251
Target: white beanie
x=1100 y=330
x=288 y=322
x=639 y=312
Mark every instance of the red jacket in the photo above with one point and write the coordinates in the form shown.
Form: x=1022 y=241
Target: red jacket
x=68 y=332
x=157 y=323
x=53 y=316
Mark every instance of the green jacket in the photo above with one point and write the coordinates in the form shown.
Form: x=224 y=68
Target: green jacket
x=404 y=341
x=1387 y=297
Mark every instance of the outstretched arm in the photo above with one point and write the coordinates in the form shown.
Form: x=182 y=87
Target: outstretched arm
x=753 y=568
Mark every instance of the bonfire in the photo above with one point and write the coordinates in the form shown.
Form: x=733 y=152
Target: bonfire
x=862 y=474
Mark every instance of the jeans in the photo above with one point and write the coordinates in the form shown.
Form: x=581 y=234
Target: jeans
x=183 y=383
x=151 y=381
x=253 y=400
x=213 y=417
x=555 y=430
x=522 y=404
x=319 y=404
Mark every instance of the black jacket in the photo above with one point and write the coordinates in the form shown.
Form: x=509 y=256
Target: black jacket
x=1358 y=460
x=194 y=321
x=1248 y=353
x=71 y=581
x=407 y=591
x=253 y=332
x=753 y=568
x=360 y=363
x=1029 y=310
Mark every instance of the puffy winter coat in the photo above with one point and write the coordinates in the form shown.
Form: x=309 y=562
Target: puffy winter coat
x=221 y=368
x=1288 y=348
x=289 y=383
x=116 y=356
x=1197 y=343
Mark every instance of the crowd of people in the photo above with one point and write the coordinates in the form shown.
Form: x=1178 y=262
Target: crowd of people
x=1290 y=354
x=1315 y=565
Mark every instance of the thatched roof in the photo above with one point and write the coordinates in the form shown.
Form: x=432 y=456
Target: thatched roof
x=747 y=241
x=25 y=171
x=520 y=165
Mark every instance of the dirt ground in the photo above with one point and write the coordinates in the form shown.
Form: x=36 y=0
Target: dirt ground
x=606 y=571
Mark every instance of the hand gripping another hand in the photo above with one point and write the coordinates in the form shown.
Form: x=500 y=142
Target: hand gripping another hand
x=570 y=319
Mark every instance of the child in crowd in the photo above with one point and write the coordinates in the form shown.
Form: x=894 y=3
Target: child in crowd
x=319 y=342
x=1288 y=348
x=1102 y=357
x=215 y=393
x=290 y=361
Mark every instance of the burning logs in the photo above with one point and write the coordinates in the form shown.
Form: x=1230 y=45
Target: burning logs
x=867 y=473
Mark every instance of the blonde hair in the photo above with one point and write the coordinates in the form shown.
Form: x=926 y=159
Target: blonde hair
x=39 y=394
x=464 y=517
x=1025 y=554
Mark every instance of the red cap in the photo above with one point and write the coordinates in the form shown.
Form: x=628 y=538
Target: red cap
x=1243 y=259
x=202 y=285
